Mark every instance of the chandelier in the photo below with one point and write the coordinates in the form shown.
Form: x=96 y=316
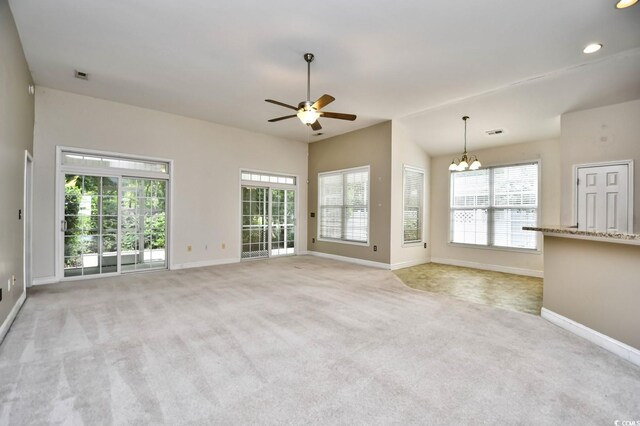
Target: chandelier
x=466 y=159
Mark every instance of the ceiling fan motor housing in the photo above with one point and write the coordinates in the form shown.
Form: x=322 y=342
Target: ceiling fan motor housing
x=305 y=106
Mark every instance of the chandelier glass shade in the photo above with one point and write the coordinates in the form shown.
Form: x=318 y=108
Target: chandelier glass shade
x=467 y=161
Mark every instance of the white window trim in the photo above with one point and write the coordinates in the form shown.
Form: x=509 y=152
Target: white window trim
x=406 y=167
x=267 y=185
x=59 y=203
x=538 y=249
x=319 y=221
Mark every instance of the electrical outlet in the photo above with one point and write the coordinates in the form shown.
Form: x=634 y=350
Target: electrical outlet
x=223 y=245
x=313 y=241
x=425 y=245
x=375 y=248
x=189 y=248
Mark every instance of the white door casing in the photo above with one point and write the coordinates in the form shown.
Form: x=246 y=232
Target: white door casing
x=604 y=197
x=27 y=220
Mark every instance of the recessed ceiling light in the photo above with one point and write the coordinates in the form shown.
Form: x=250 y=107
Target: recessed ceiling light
x=623 y=4
x=593 y=47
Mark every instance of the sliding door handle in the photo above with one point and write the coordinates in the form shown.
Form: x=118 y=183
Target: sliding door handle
x=63 y=226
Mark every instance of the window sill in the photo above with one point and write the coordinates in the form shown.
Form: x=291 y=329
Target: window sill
x=496 y=248
x=413 y=244
x=352 y=243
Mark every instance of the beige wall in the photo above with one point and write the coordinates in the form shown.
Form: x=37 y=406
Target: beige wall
x=406 y=152
x=370 y=146
x=601 y=134
x=207 y=159
x=16 y=136
x=594 y=284
x=509 y=261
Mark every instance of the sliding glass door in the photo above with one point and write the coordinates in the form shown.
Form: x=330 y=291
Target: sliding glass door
x=92 y=220
x=144 y=225
x=268 y=222
x=255 y=222
x=282 y=221
x=90 y=225
x=113 y=215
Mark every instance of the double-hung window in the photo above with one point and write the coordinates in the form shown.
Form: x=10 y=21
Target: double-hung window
x=343 y=205
x=412 y=210
x=490 y=206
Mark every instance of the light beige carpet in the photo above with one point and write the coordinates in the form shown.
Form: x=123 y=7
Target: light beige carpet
x=295 y=341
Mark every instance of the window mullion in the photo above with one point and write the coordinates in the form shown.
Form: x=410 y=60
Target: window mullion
x=490 y=212
x=343 y=224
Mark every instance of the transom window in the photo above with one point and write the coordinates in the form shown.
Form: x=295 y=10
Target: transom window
x=106 y=162
x=490 y=206
x=343 y=205
x=267 y=178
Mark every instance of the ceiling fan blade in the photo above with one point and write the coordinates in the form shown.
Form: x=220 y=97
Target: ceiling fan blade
x=273 y=120
x=281 y=104
x=316 y=125
x=323 y=101
x=338 y=115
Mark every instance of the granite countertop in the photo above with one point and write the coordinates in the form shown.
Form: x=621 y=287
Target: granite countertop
x=563 y=231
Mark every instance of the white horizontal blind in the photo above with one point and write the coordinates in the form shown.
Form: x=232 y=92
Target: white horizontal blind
x=470 y=193
x=515 y=199
x=331 y=203
x=344 y=205
x=490 y=206
x=413 y=190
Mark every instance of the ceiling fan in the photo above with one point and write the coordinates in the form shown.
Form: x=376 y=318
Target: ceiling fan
x=308 y=112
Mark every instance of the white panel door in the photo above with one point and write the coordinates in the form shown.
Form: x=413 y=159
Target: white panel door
x=603 y=198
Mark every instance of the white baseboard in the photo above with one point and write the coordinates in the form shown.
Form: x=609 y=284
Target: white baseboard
x=623 y=350
x=409 y=263
x=44 y=280
x=4 y=328
x=204 y=263
x=362 y=262
x=488 y=267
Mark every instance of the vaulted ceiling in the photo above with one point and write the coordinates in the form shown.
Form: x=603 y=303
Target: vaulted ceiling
x=515 y=65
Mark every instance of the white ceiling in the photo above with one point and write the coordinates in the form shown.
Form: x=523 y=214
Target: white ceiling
x=515 y=64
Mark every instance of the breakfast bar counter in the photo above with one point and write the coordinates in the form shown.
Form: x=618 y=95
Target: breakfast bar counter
x=570 y=232
x=592 y=286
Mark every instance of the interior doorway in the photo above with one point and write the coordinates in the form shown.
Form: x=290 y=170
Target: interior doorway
x=604 y=197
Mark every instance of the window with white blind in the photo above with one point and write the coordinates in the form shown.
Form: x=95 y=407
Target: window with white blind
x=490 y=206
x=413 y=190
x=343 y=205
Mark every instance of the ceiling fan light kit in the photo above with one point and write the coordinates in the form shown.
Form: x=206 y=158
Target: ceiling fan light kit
x=308 y=112
x=466 y=159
